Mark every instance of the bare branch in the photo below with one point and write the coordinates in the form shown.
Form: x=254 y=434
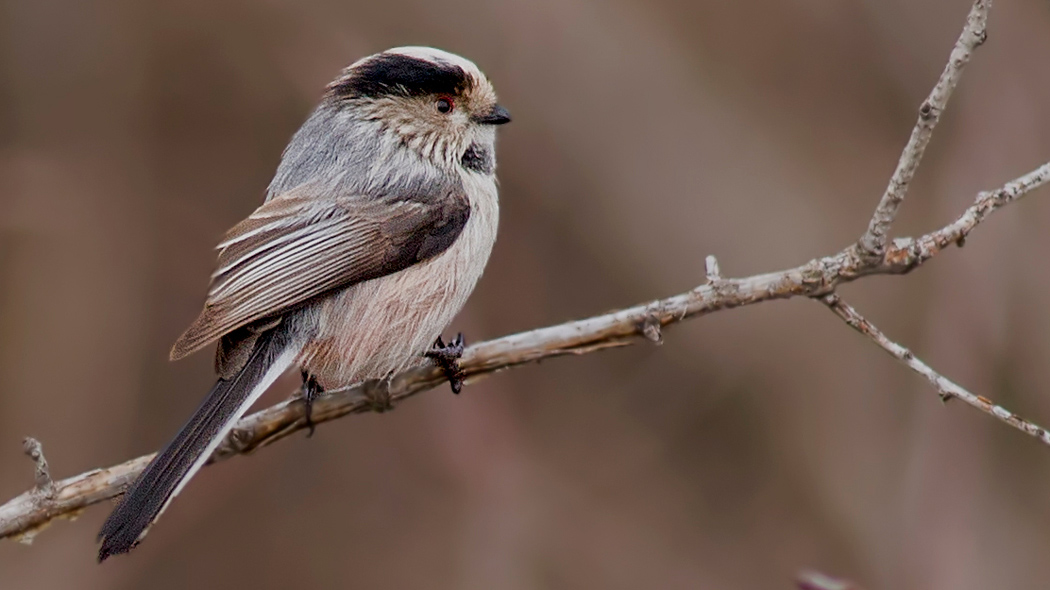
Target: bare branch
x=817 y=278
x=946 y=388
x=923 y=248
x=872 y=244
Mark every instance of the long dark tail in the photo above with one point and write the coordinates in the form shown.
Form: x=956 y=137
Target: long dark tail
x=169 y=471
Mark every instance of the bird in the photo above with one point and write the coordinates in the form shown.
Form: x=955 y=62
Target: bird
x=377 y=225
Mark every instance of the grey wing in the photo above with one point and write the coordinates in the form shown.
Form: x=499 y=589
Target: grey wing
x=296 y=247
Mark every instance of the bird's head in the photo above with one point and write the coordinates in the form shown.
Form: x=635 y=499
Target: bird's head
x=435 y=103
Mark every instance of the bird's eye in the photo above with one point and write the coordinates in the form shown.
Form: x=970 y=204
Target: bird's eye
x=444 y=104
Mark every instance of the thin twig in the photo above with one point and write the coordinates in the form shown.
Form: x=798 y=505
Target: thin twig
x=713 y=272
x=922 y=249
x=35 y=451
x=814 y=279
x=872 y=244
x=945 y=387
x=39 y=501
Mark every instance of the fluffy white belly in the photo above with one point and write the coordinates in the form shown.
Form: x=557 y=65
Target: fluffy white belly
x=386 y=324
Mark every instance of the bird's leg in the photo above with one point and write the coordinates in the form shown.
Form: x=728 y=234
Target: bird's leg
x=311 y=391
x=447 y=357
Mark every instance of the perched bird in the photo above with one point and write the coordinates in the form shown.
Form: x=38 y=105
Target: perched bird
x=376 y=227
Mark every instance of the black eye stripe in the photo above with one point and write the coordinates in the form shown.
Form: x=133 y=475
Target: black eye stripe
x=400 y=75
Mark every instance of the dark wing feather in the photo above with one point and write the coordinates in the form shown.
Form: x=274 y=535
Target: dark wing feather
x=297 y=247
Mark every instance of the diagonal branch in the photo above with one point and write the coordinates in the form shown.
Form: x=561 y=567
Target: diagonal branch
x=946 y=388
x=25 y=514
x=872 y=244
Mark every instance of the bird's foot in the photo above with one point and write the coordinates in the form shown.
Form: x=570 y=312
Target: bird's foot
x=447 y=357
x=311 y=391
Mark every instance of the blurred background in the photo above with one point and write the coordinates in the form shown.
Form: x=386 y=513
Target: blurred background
x=646 y=135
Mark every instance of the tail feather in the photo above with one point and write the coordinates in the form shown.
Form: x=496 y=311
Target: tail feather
x=165 y=476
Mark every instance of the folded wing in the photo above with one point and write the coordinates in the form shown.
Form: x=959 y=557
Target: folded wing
x=296 y=247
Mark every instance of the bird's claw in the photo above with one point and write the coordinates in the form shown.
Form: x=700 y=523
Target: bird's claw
x=311 y=391
x=447 y=357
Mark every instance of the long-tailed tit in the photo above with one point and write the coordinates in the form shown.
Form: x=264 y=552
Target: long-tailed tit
x=374 y=231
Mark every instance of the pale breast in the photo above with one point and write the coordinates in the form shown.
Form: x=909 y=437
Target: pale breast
x=385 y=325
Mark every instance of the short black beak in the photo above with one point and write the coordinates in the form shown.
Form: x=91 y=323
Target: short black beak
x=497 y=115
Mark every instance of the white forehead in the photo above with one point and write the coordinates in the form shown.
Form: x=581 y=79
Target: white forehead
x=439 y=56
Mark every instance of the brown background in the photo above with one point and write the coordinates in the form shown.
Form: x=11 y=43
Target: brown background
x=647 y=134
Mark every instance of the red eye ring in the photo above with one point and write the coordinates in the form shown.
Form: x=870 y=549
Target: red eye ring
x=444 y=105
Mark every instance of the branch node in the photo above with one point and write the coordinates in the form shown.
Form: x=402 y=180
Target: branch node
x=651 y=330
x=714 y=273
x=982 y=36
x=377 y=393
x=724 y=289
x=240 y=439
x=927 y=111
x=651 y=327
x=35 y=451
x=872 y=244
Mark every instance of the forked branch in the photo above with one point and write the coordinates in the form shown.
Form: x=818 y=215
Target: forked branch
x=873 y=242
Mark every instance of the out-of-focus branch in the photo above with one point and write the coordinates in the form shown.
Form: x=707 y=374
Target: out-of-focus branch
x=946 y=388
x=872 y=244
x=817 y=278
x=819 y=581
